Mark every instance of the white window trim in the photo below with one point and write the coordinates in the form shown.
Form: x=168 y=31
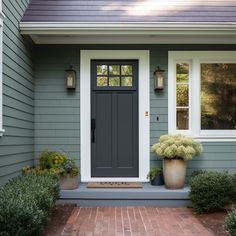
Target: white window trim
x=195 y=58
x=85 y=100
x=1 y=76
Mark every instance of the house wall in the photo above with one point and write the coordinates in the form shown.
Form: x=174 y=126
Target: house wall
x=17 y=143
x=57 y=111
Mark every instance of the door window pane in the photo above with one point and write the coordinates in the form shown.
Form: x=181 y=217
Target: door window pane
x=114 y=81
x=126 y=81
x=218 y=96
x=101 y=81
x=114 y=75
x=101 y=69
x=114 y=70
x=126 y=70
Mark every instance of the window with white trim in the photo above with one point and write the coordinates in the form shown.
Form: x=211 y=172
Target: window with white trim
x=202 y=93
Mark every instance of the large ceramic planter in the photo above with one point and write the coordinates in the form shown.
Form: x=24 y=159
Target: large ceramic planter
x=69 y=182
x=174 y=171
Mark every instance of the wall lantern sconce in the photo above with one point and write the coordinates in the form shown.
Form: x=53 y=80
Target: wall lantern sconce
x=158 y=79
x=70 y=78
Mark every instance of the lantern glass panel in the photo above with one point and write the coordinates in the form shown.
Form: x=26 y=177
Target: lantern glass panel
x=70 y=78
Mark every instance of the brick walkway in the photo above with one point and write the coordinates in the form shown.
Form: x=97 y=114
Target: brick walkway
x=133 y=221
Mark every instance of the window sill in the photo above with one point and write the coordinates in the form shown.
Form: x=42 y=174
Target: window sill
x=209 y=138
x=215 y=139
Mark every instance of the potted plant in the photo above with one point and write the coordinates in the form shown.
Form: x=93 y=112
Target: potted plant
x=60 y=164
x=176 y=150
x=155 y=175
x=69 y=175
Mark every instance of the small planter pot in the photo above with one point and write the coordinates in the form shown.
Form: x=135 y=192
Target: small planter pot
x=158 y=180
x=174 y=171
x=68 y=182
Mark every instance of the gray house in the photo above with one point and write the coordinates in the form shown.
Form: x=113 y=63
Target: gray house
x=113 y=114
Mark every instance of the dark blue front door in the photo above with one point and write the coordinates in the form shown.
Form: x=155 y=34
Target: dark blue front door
x=114 y=123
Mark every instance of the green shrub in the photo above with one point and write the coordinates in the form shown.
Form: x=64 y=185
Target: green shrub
x=177 y=147
x=211 y=190
x=231 y=223
x=26 y=203
x=234 y=180
x=197 y=172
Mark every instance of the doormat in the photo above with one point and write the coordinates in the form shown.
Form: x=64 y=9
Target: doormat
x=114 y=185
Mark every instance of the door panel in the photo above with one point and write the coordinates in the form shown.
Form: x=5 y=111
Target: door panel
x=125 y=129
x=115 y=109
x=103 y=130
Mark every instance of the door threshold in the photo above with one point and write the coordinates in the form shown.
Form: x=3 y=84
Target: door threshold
x=114 y=179
x=114 y=185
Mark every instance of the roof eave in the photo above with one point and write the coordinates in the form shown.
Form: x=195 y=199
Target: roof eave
x=128 y=28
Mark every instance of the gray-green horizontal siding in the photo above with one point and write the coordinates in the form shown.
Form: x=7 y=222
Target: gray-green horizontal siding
x=57 y=111
x=57 y=114
x=216 y=156
x=17 y=143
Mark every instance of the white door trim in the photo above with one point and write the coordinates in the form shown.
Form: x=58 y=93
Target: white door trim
x=85 y=110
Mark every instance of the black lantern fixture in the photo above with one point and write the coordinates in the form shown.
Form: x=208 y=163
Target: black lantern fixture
x=70 y=78
x=159 y=79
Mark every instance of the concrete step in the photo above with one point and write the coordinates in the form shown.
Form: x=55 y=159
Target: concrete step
x=147 y=196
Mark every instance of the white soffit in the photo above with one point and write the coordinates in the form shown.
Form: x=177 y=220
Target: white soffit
x=135 y=33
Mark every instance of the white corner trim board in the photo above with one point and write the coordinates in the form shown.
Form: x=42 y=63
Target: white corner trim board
x=2 y=16
x=1 y=79
x=85 y=100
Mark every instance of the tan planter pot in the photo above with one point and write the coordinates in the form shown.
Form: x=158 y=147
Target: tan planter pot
x=69 y=182
x=174 y=171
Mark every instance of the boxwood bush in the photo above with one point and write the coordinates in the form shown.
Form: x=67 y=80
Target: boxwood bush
x=234 y=180
x=211 y=190
x=26 y=203
x=231 y=223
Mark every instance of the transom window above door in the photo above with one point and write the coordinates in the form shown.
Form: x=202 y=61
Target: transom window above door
x=114 y=75
x=202 y=94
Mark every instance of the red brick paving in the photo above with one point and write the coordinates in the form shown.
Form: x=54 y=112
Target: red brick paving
x=133 y=221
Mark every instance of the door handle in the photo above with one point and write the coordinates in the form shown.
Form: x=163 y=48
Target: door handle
x=93 y=127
